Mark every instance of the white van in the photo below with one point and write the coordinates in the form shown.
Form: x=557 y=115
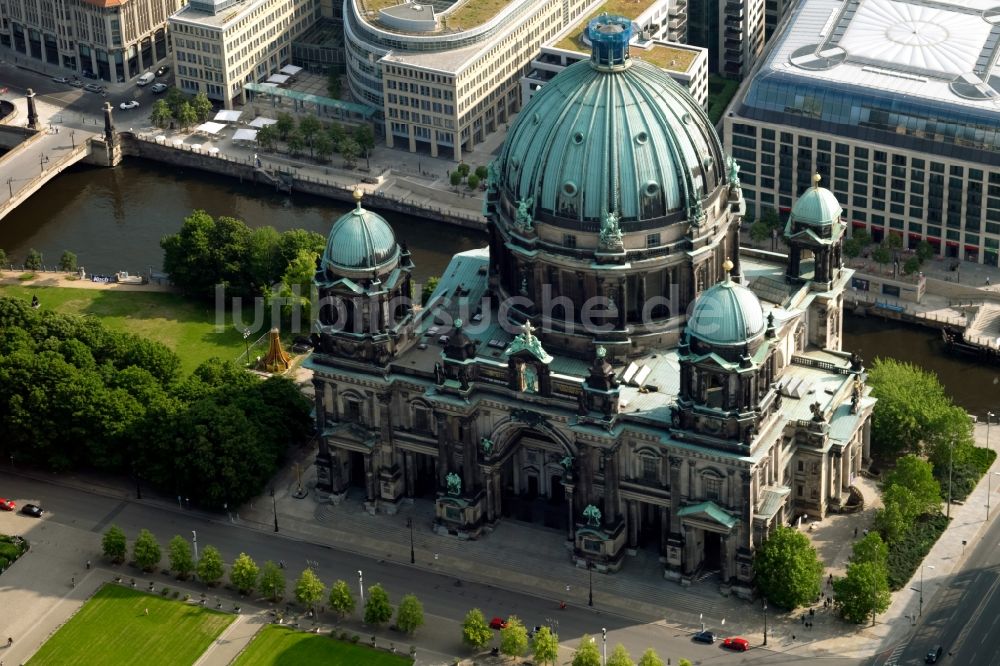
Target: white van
x=145 y=79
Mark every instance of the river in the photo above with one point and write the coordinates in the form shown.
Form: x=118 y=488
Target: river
x=113 y=220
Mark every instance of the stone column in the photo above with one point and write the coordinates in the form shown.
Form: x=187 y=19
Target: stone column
x=571 y=522
x=622 y=304
x=369 y=477
x=109 y=126
x=443 y=445
x=633 y=524
x=497 y=495
x=866 y=440
x=675 y=493
x=488 y=482
x=586 y=494
x=611 y=488
x=409 y=473
x=469 y=455
x=318 y=393
x=746 y=530
x=29 y=95
x=665 y=527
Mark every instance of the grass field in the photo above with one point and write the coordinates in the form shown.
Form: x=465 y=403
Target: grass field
x=280 y=646
x=186 y=326
x=112 y=629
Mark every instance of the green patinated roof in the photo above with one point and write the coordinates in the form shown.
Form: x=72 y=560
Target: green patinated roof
x=727 y=314
x=597 y=139
x=525 y=341
x=817 y=206
x=360 y=241
x=710 y=509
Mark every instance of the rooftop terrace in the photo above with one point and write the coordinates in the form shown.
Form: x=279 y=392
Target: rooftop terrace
x=457 y=15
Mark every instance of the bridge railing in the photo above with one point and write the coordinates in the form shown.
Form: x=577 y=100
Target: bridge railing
x=54 y=167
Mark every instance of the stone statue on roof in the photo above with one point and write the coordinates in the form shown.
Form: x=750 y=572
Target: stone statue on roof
x=611 y=232
x=487 y=445
x=523 y=217
x=593 y=515
x=454 y=482
x=734 y=173
x=696 y=214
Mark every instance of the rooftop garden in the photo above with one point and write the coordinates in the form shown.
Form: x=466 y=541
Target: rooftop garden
x=472 y=13
x=627 y=8
x=666 y=57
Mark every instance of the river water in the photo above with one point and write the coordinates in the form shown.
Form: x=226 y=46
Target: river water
x=113 y=220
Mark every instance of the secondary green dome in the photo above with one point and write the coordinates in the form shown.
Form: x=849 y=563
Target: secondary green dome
x=727 y=314
x=816 y=206
x=360 y=241
x=611 y=135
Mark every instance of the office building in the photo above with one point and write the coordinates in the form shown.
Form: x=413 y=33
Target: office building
x=894 y=103
x=113 y=40
x=221 y=44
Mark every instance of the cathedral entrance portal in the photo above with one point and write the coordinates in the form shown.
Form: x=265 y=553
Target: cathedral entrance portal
x=531 y=481
x=713 y=552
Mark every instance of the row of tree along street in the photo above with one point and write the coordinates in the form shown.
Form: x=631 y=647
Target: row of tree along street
x=75 y=394
x=321 y=139
x=926 y=439
x=33 y=261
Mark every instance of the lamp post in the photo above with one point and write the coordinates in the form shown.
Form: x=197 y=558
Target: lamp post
x=361 y=586
x=246 y=343
x=604 y=649
x=194 y=540
x=590 y=570
x=274 y=505
x=765 y=621
x=42 y=160
x=989 y=476
x=10 y=186
x=920 y=613
x=409 y=523
x=72 y=137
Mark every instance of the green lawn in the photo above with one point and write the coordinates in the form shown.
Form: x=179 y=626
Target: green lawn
x=112 y=629
x=188 y=327
x=281 y=646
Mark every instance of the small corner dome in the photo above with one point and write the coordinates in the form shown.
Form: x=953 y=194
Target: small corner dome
x=360 y=241
x=816 y=206
x=727 y=314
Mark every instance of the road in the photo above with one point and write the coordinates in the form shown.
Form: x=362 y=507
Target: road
x=964 y=616
x=85 y=516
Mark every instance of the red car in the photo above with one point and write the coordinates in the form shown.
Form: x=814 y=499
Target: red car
x=7 y=505
x=498 y=623
x=736 y=643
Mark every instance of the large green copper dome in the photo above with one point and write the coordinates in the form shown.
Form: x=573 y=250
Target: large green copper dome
x=360 y=241
x=611 y=135
x=727 y=314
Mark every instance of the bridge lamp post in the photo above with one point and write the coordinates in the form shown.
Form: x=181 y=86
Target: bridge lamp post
x=72 y=137
x=10 y=186
x=42 y=161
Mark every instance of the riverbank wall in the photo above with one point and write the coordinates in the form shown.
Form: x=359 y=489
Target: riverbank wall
x=385 y=191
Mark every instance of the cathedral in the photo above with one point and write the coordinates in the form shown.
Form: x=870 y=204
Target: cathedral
x=607 y=366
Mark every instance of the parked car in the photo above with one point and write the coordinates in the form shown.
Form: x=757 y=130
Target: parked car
x=704 y=637
x=131 y=104
x=159 y=87
x=60 y=79
x=498 y=623
x=7 y=505
x=76 y=83
x=87 y=74
x=736 y=643
x=93 y=87
x=162 y=69
x=933 y=655
x=32 y=510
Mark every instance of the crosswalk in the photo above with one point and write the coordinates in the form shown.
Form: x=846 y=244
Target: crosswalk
x=893 y=658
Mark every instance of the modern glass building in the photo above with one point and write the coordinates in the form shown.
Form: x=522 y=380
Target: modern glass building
x=895 y=104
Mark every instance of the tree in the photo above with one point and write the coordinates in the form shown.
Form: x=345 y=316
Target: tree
x=893 y=241
x=587 y=654
x=472 y=181
x=146 y=551
x=323 y=146
x=871 y=549
x=349 y=150
x=378 y=610
x=455 y=178
x=210 y=567
x=174 y=99
x=202 y=106
x=882 y=255
x=285 y=124
x=114 y=545
x=365 y=139
x=900 y=509
x=476 y=633
x=67 y=262
x=272 y=581
x=481 y=172
x=3 y=258
x=410 y=614
x=862 y=236
x=513 y=638
x=337 y=133
x=789 y=572
x=759 y=231
x=863 y=590
x=295 y=142
x=684 y=662
x=916 y=475
x=546 y=646
x=309 y=128
x=33 y=260
x=620 y=657
x=341 y=600
x=160 y=115
x=309 y=588
x=463 y=169
x=852 y=248
x=911 y=265
x=179 y=554
x=187 y=116
x=924 y=251
x=267 y=137
x=244 y=573
x=294 y=293
x=650 y=658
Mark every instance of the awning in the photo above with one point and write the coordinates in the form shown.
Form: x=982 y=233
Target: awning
x=245 y=135
x=290 y=70
x=261 y=121
x=210 y=128
x=226 y=116
x=280 y=79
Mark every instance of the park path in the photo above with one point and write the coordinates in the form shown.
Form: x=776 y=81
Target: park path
x=69 y=280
